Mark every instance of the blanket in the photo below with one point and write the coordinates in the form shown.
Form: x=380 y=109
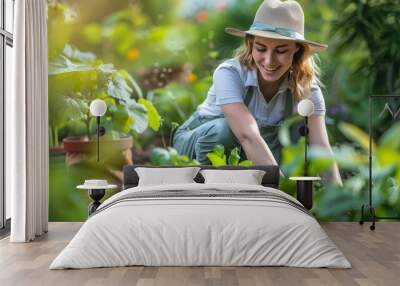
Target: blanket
x=201 y=225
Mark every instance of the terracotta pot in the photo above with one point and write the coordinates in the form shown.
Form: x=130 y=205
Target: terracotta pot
x=113 y=153
x=83 y=145
x=57 y=150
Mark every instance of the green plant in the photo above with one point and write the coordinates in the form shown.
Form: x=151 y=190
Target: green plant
x=171 y=127
x=170 y=157
x=218 y=157
x=176 y=101
x=372 y=26
x=76 y=78
x=344 y=203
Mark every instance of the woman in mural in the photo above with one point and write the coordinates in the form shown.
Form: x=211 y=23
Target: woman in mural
x=256 y=90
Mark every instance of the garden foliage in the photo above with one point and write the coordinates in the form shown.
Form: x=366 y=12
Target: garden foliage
x=152 y=62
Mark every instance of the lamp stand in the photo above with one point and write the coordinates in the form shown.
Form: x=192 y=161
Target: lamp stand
x=368 y=207
x=100 y=131
x=304 y=132
x=305 y=146
x=96 y=195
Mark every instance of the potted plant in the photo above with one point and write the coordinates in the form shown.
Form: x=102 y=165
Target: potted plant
x=75 y=79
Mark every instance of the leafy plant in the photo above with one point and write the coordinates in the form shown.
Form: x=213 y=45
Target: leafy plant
x=76 y=78
x=218 y=157
x=345 y=203
x=170 y=157
x=176 y=102
x=171 y=127
x=372 y=26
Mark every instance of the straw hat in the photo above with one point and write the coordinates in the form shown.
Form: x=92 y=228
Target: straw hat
x=279 y=20
x=96 y=184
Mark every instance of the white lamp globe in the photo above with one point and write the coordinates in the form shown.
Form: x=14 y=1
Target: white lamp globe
x=98 y=107
x=305 y=107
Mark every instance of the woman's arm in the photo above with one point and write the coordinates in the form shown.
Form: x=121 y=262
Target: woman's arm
x=244 y=127
x=319 y=136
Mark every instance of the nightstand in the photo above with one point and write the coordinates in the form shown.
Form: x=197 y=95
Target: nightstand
x=96 y=190
x=304 y=190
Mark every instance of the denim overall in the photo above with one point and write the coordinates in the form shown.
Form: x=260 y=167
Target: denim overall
x=197 y=136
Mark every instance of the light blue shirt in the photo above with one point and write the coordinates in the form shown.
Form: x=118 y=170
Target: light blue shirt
x=230 y=83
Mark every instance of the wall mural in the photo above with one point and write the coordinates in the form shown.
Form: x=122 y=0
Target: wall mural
x=152 y=63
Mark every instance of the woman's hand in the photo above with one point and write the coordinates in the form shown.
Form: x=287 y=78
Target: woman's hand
x=245 y=128
x=319 y=136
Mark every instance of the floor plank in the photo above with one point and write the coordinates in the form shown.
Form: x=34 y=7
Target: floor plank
x=374 y=255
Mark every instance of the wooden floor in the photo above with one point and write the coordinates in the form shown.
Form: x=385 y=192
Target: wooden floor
x=374 y=255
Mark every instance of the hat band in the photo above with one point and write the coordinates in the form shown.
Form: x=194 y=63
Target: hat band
x=281 y=31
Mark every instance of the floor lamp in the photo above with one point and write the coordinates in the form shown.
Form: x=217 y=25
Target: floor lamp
x=305 y=184
x=369 y=207
x=305 y=108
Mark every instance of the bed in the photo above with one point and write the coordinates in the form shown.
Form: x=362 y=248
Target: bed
x=201 y=224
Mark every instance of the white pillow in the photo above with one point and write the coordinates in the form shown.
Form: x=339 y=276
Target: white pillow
x=248 y=177
x=166 y=176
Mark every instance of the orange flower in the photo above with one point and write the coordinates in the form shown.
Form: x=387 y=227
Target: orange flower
x=202 y=16
x=133 y=54
x=191 y=77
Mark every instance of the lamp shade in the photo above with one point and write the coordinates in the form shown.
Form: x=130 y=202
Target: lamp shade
x=98 y=107
x=305 y=107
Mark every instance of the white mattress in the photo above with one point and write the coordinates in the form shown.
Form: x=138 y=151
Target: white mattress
x=183 y=231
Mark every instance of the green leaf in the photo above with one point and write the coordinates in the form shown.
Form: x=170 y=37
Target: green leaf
x=174 y=125
x=171 y=157
x=388 y=156
x=132 y=81
x=160 y=157
x=390 y=139
x=106 y=68
x=219 y=150
x=336 y=203
x=284 y=131
x=77 y=55
x=76 y=109
x=345 y=156
x=72 y=60
x=121 y=120
x=154 y=117
x=64 y=65
x=246 y=163
x=355 y=134
x=139 y=115
x=234 y=157
x=118 y=88
x=216 y=160
x=173 y=151
x=213 y=54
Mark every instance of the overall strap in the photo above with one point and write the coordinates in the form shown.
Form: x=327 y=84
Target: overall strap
x=289 y=104
x=249 y=95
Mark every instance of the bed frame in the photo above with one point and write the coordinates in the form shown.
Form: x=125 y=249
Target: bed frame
x=270 y=179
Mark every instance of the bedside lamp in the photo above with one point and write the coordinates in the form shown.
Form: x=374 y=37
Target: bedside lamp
x=305 y=184
x=305 y=108
x=98 y=108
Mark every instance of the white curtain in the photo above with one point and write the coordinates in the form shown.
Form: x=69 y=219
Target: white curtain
x=27 y=124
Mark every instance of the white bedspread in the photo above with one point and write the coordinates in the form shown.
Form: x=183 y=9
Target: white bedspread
x=181 y=231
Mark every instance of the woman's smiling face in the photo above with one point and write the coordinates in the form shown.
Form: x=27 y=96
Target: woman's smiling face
x=273 y=57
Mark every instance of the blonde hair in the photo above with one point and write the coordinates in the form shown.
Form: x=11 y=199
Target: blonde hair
x=304 y=68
